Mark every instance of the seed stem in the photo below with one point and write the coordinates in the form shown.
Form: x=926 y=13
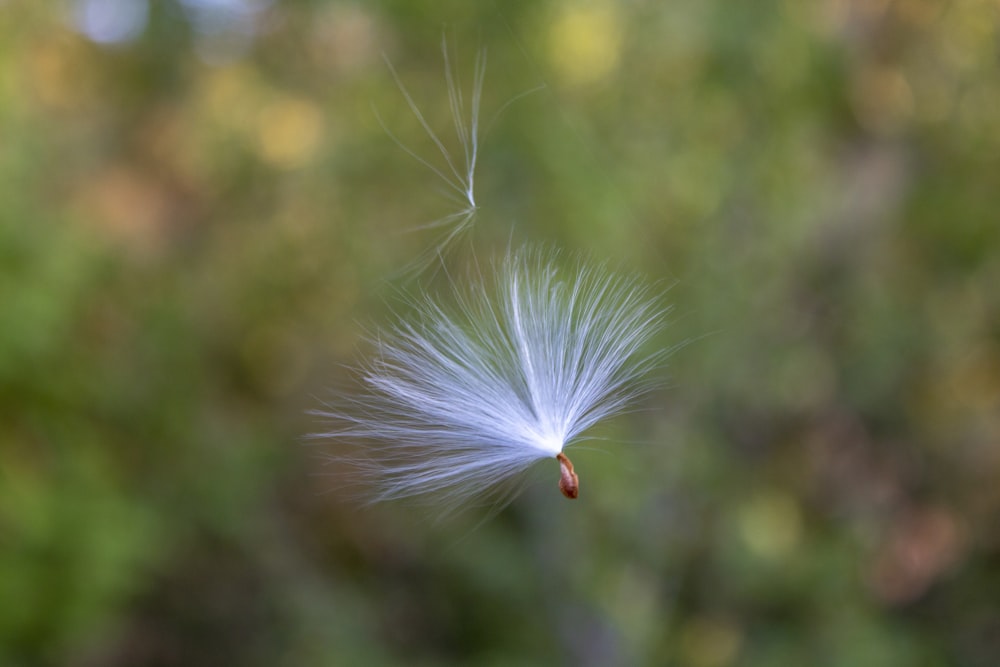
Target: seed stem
x=569 y=483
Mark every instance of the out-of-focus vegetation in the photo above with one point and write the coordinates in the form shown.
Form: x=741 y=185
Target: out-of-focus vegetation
x=200 y=215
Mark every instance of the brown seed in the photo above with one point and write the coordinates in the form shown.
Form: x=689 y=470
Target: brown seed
x=569 y=483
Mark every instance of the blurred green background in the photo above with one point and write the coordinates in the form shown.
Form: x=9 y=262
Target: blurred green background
x=200 y=216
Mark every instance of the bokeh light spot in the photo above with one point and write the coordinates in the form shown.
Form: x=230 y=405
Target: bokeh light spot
x=920 y=546
x=882 y=99
x=289 y=132
x=585 y=43
x=771 y=525
x=709 y=642
x=112 y=21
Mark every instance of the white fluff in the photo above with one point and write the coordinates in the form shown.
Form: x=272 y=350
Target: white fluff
x=458 y=172
x=460 y=399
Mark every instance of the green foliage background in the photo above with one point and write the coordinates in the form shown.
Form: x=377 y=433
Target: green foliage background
x=197 y=226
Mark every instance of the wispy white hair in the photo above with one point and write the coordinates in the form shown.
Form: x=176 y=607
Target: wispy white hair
x=458 y=172
x=460 y=399
x=455 y=169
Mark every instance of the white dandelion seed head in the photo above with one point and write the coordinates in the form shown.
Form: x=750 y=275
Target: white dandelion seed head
x=460 y=399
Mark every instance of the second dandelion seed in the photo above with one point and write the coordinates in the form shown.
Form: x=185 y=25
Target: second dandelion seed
x=463 y=398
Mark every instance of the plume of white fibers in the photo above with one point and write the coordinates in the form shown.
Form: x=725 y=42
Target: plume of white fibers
x=459 y=400
x=458 y=172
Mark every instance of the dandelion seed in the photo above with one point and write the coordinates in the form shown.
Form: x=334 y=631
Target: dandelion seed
x=460 y=400
x=458 y=173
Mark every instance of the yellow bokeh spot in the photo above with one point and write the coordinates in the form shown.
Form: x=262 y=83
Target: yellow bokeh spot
x=57 y=70
x=585 y=43
x=289 y=132
x=882 y=99
x=709 y=642
x=230 y=96
x=771 y=525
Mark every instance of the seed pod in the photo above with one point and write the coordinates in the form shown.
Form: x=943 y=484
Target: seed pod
x=569 y=483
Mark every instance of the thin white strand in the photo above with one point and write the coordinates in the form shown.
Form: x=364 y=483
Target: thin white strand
x=459 y=171
x=456 y=180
